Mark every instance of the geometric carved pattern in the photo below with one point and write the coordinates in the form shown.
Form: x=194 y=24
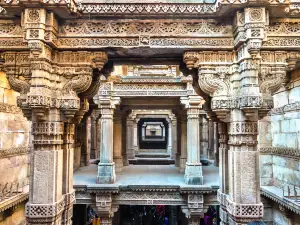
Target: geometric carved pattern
x=44 y=210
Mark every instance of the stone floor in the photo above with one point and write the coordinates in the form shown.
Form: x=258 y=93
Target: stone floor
x=146 y=175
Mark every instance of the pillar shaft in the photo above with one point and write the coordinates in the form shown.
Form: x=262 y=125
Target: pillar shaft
x=117 y=139
x=170 y=138
x=93 y=136
x=183 y=143
x=129 y=139
x=106 y=166
x=68 y=157
x=193 y=170
x=174 y=139
x=46 y=192
x=135 y=137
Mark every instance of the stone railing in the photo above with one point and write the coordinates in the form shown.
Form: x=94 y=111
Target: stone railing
x=291 y=192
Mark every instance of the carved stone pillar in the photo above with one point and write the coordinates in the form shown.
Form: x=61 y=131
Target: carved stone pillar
x=210 y=149
x=98 y=138
x=174 y=138
x=193 y=170
x=194 y=209
x=204 y=135
x=52 y=96
x=135 y=136
x=106 y=166
x=117 y=138
x=223 y=170
x=124 y=138
x=68 y=157
x=105 y=209
x=93 y=136
x=169 y=149
x=216 y=144
x=129 y=139
x=46 y=199
x=173 y=218
x=85 y=147
x=183 y=142
x=178 y=138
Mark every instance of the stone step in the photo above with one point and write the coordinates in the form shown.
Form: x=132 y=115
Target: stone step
x=152 y=155
x=152 y=161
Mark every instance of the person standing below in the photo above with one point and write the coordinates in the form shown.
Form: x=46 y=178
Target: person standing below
x=96 y=220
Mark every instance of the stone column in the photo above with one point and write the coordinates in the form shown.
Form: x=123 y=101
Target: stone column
x=210 y=149
x=117 y=138
x=106 y=166
x=223 y=171
x=216 y=144
x=183 y=147
x=46 y=192
x=174 y=138
x=204 y=135
x=169 y=150
x=98 y=138
x=67 y=185
x=135 y=136
x=129 y=144
x=173 y=218
x=178 y=138
x=93 y=135
x=193 y=170
x=124 y=138
x=85 y=137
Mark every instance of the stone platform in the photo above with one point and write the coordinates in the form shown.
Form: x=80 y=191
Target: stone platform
x=166 y=175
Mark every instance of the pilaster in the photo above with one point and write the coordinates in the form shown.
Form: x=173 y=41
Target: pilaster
x=194 y=209
x=193 y=170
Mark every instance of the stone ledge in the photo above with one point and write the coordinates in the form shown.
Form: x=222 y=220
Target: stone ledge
x=13 y=201
x=5 y=153
x=289 y=152
x=272 y=193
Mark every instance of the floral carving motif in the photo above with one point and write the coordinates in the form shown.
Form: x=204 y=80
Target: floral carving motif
x=33 y=15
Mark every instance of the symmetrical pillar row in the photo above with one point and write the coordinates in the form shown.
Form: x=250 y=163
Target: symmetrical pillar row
x=193 y=170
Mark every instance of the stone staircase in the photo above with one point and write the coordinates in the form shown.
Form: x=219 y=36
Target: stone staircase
x=152 y=158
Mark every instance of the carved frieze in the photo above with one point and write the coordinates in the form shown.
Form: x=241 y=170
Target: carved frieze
x=4 y=153
x=289 y=152
x=149 y=198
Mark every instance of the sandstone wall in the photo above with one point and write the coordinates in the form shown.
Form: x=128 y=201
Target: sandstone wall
x=15 y=139
x=280 y=135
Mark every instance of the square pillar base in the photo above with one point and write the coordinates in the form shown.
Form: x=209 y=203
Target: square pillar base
x=182 y=164
x=118 y=164
x=130 y=154
x=193 y=173
x=106 y=173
